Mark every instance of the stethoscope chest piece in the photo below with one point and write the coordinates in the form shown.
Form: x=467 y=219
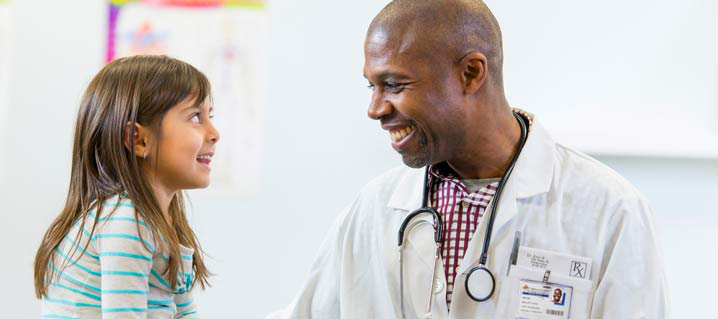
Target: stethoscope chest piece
x=480 y=283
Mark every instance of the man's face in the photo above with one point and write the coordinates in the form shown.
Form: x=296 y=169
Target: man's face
x=414 y=100
x=557 y=294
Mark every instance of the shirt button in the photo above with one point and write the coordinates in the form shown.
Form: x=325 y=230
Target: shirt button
x=438 y=286
x=465 y=205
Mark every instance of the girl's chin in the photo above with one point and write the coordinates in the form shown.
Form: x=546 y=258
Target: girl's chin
x=196 y=183
x=200 y=185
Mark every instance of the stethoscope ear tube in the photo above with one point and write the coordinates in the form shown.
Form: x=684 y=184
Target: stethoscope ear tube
x=438 y=233
x=425 y=209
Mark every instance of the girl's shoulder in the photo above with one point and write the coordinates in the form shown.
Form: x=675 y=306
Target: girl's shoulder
x=117 y=213
x=118 y=221
x=119 y=205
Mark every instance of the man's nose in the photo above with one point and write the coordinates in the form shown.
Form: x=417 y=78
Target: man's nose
x=379 y=107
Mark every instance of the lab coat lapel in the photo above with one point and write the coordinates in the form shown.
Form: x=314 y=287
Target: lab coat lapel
x=406 y=195
x=534 y=169
x=532 y=175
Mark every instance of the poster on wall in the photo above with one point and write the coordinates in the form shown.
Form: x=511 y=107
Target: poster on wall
x=223 y=39
x=5 y=52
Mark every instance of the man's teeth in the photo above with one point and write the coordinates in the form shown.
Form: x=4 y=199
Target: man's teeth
x=204 y=156
x=399 y=134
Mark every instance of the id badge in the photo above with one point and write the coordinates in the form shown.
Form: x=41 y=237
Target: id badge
x=543 y=300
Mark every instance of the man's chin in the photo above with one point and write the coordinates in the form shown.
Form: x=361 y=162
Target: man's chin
x=414 y=161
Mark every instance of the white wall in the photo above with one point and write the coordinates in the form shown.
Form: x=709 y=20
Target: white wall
x=641 y=70
x=317 y=139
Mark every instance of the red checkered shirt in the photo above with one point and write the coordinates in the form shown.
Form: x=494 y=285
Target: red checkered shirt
x=461 y=211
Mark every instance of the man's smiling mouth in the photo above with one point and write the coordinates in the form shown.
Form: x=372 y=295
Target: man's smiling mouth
x=399 y=134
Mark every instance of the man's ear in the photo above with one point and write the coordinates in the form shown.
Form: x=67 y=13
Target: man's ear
x=474 y=70
x=141 y=139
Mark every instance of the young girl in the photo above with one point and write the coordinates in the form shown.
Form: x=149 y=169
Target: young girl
x=122 y=247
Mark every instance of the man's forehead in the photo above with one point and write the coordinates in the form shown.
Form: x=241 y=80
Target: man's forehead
x=389 y=51
x=378 y=38
x=381 y=63
x=393 y=40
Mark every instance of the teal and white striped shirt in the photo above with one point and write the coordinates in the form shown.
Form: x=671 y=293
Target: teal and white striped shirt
x=116 y=277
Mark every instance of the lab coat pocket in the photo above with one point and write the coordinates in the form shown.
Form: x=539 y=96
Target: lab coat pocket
x=580 y=300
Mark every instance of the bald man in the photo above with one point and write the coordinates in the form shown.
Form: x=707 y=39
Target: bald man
x=521 y=214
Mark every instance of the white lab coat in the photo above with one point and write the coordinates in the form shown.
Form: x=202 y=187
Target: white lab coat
x=559 y=199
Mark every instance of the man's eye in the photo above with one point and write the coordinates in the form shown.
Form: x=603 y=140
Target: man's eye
x=393 y=86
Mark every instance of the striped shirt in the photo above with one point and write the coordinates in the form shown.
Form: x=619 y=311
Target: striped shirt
x=461 y=210
x=116 y=277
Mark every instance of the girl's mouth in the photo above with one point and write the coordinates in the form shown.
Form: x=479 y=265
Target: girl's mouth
x=205 y=159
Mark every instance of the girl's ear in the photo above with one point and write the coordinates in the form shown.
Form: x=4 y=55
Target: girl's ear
x=141 y=138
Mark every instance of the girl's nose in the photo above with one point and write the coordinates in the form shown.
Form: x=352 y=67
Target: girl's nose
x=212 y=134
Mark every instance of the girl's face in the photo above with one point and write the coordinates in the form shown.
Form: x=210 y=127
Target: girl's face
x=186 y=146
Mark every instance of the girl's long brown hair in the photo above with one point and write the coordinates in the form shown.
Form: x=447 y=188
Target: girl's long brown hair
x=139 y=89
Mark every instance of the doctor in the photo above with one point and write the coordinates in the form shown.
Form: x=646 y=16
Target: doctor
x=570 y=237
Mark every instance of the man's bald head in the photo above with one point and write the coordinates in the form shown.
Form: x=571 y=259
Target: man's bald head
x=443 y=28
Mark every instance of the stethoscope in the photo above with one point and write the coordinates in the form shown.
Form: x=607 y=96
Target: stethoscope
x=480 y=282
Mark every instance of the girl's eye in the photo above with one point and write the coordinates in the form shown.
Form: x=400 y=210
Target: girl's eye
x=195 y=118
x=211 y=115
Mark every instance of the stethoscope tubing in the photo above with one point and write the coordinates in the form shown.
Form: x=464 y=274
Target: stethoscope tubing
x=500 y=190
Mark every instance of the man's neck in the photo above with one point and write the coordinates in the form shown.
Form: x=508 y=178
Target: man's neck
x=489 y=153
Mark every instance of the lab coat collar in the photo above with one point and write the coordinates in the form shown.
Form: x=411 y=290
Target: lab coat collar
x=532 y=174
x=534 y=169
